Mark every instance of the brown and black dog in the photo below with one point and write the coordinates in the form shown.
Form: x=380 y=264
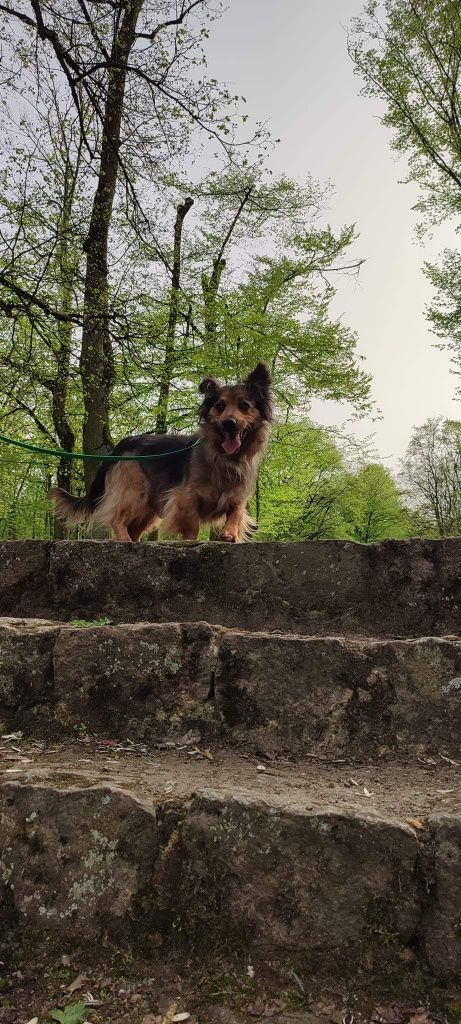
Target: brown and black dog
x=207 y=477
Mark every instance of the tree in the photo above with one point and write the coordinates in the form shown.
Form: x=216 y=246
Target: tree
x=37 y=354
x=301 y=484
x=444 y=312
x=130 y=69
x=372 y=506
x=121 y=283
x=262 y=306
x=169 y=357
x=238 y=302
x=408 y=53
x=282 y=312
x=431 y=474
x=315 y=484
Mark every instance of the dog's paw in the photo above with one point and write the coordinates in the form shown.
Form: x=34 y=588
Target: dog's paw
x=230 y=538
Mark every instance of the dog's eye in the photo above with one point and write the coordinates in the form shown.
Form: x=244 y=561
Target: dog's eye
x=220 y=406
x=245 y=406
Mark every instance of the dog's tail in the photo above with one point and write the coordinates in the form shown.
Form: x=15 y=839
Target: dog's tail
x=74 y=510
x=70 y=509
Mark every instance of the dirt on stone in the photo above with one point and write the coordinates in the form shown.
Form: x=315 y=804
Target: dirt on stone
x=407 y=788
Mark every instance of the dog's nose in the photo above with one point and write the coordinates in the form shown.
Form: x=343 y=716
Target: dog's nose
x=229 y=425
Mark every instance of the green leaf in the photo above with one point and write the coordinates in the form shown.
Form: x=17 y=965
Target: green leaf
x=88 y=623
x=73 y=1014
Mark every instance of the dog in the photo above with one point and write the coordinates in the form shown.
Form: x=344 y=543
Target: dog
x=206 y=477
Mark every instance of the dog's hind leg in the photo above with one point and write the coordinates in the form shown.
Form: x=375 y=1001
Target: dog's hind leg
x=136 y=530
x=181 y=514
x=125 y=505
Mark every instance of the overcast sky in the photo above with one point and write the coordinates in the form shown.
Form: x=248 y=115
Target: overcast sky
x=289 y=59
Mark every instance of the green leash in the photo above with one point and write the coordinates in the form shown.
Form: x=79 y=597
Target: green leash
x=59 y=453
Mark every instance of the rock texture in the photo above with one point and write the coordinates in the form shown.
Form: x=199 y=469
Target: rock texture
x=340 y=696
x=257 y=691
x=332 y=889
x=318 y=885
x=143 y=682
x=442 y=921
x=193 y=770
x=26 y=672
x=75 y=860
x=310 y=587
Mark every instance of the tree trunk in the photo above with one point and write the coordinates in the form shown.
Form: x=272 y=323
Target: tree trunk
x=210 y=288
x=96 y=357
x=169 y=360
x=210 y=285
x=67 y=262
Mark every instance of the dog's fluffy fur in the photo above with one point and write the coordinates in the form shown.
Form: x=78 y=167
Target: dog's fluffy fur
x=209 y=483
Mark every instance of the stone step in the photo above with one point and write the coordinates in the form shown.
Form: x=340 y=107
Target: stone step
x=338 y=876
x=276 y=693
x=397 y=588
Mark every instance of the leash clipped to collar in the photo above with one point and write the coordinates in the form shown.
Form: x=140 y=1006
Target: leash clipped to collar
x=59 y=453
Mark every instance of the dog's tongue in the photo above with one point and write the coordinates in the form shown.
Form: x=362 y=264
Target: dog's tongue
x=231 y=445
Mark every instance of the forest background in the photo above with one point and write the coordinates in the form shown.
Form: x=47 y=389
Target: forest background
x=146 y=242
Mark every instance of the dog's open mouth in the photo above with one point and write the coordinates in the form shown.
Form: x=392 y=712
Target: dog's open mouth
x=232 y=443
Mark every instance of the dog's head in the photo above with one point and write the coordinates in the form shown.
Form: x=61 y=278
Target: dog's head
x=233 y=414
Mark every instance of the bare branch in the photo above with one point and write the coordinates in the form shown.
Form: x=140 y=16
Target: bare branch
x=169 y=24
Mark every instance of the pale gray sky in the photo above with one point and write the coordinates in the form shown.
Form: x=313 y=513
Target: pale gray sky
x=289 y=59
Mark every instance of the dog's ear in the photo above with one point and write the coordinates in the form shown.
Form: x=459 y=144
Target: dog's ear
x=209 y=388
x=209 y=385
x=258 y=385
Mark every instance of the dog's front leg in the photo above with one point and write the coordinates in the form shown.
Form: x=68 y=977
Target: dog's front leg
x=120 y=531
x=234 y=527
x=190 y=534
